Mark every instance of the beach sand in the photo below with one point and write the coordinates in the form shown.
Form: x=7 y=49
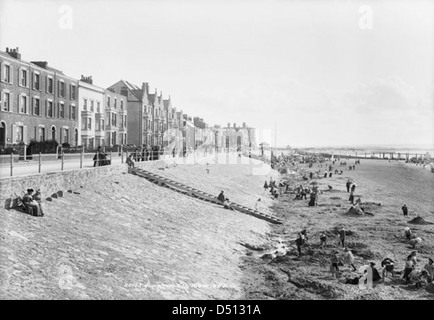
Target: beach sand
x=372 y=238
x=123 y=237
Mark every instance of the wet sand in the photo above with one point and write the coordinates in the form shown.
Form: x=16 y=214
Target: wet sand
x=372 y=238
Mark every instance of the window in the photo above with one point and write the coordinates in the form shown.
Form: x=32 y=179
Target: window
x=98 y=107
x=116 y=102
x=108 y=102
x=50 y=109
x=122 y=104
x=61 y=88
x=72 y=92
x=36 y=81
x=41 y=134
x=113 y=138
x=108 y=116
x=89 y=123
x=6 y=101
x=85 y=104
x=50 y=85
x=125 y=121
x=91 y=105
x=23 y=77
x=23 y=104
x=7 y=73
x=61 y=110
x=102 y=124
x=83 y=123
x=65 y=137
x=114 y=119
x=98 y=125
x=73 y=113
x=36 y=106
x=19 y=133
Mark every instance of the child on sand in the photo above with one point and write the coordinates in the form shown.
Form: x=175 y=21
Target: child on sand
x=334 y=268
x=349 y=258
x=323 y=240
x=342 y=237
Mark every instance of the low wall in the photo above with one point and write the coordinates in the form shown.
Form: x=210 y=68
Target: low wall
x=52 y=182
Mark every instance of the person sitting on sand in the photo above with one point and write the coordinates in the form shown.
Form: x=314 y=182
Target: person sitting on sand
x=323 y=240
x=375 y=274
x=388 y=266
x=353 y=187
x=227 y=204
x=221 y=197
x=348 y=258
x=407 y=232
x=265 y=185
x=430 y=268
x=419 y=277
x=415 y=241
x=36 y=208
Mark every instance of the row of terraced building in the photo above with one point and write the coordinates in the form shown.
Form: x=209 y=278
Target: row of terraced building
x=39 y=102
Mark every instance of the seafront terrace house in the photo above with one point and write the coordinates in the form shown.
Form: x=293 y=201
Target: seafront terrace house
x=139 y=112
x=102 y=115
x=116 y=118
x=37 y=102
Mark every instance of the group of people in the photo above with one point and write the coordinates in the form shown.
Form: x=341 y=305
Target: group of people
x=32 y=200
x=224 y=201
x=418 y=276
x=100 y=158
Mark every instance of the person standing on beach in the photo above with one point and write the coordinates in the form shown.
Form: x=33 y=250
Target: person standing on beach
x=342 y=236
x=325 y=174
x=351 y=199
x=323 y=240
x=353 y=187
x=405 y=210
x=348 y=185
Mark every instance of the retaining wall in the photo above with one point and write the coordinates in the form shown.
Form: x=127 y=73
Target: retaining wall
x=52 y=182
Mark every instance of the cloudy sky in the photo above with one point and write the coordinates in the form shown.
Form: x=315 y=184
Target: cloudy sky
x=323 y=72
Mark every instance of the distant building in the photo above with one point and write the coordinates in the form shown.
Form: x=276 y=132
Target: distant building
x=37 y=102
x=236 y=137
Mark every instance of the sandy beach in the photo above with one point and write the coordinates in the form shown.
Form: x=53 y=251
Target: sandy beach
x=372 y=238
x=123 y=237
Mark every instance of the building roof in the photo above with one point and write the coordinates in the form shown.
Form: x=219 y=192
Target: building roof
x=137 y=93
x=151 y=97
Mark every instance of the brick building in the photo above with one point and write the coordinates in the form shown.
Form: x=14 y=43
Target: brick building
x=37 y=102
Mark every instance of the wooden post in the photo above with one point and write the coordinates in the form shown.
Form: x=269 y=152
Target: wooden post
x=61 y=168
x=40 y=162
x=81 y=158
x=122 y=154
x=12 y=164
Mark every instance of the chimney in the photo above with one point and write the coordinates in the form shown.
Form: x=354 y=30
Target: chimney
x=229 y=125
x=87 y=79
x=235 y=125
x=14 y=53
x=42 y=64
x=244 y=125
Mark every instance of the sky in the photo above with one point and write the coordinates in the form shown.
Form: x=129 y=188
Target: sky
x=304 y=73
